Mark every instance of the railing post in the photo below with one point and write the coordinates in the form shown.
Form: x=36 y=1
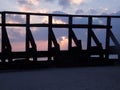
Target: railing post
x=89 y=31
x=6 y=47
x=69 y=33
x=30 y=51
x=107 y=38
x=27 y=27
x=49 y=36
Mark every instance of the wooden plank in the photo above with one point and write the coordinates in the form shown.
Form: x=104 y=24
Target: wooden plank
x=63 y=15
x=59 y=25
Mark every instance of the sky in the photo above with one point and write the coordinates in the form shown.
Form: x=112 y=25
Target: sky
x=67 y=6
x=79 y=7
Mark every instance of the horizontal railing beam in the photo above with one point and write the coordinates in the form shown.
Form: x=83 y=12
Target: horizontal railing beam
x=58 y=25
x=60 y=15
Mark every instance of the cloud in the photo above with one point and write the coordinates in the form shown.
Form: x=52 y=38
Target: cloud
x=33 y=2
x=76 y=1
x=64 y=3
x=116 y=13
x=59 y=20
x=93 y=11
x=67 y=3
x=50 y=0
x=63 y=41
x=25 y=5
x=79 y=11
x=14 y=18
x=90 y=11
x=29 y=2
x=58 y=12
x=30 y=6
x=42 y=45
x=17 y=35
x=18 y=46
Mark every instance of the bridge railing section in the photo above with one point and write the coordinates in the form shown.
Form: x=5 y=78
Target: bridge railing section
x=53 y=48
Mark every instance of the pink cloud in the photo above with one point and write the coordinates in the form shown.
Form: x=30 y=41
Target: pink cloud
x=42 y=45
x=18 y=46
x=77 y=2
x=30 y=6
x=69 y=3
x=58 y=21
x=33 y=2
x=63 y=43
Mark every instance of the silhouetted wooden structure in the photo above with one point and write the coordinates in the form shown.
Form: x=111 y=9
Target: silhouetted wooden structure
x=74 y=56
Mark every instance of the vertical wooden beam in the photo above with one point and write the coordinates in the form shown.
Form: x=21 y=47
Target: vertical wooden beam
x=72 y=36
x=69 y=33
x=3 y=31
x=53 y=51
x=30 y=51
x=49 y=36
x=6 y=47
x=27 y=38
x=91 y=35
x=27 y=28
x=107 y=37
x=89 y=32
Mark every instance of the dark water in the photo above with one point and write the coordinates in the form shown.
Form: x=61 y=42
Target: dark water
x=84 y=78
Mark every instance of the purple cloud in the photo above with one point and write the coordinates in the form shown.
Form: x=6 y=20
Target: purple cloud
x=79 y=11
x=15 y=18
x=28 y=5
